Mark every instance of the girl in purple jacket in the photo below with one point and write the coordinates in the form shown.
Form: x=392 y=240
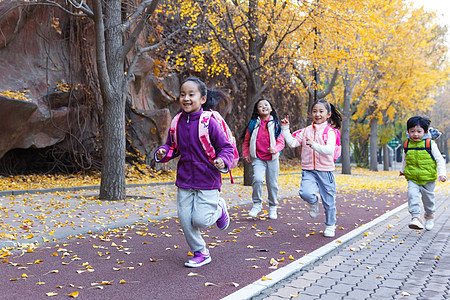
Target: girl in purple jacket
x=198 y=180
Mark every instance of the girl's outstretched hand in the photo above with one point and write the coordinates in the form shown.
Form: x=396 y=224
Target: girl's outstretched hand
x=219 y=164
x=285 y=121
x=161 y=153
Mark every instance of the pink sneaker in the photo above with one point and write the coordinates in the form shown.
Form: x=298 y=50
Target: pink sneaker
x=199 y=259
x=224 y=220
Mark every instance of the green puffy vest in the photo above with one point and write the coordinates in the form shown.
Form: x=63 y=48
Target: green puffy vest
x=420 y=167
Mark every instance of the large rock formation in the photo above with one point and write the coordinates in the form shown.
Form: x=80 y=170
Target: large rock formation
x=51 y=57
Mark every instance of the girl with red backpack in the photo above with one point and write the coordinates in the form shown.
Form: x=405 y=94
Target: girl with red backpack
x=318 y=156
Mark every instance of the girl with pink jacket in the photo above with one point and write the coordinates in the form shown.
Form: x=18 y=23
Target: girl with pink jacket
x=318 y=142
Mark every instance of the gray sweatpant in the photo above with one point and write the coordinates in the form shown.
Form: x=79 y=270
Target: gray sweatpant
x=197 y=209
x=271 y=169
x=426 y=192
x=323 y=182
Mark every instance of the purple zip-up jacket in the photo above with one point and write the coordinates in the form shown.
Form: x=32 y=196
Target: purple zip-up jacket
x=194 y=171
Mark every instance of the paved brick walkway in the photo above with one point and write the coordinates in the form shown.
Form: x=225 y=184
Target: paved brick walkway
x=384 y=259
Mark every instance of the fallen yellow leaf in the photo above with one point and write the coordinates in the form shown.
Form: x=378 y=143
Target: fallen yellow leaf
x=74 y=294
x=51 y=294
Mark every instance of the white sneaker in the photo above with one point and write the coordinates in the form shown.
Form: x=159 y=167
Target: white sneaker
x=255 y=210
x=429 y=224
x=313 y=209
x=416 y=223
x=329 y=231
x=273 y=212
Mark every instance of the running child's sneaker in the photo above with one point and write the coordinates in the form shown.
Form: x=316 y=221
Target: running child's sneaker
x=329 y=231
x=199 y=259
x=255 y=210
x=313 y=209
x=429 y=224
x=273 y=212
x=415 y=223
x=224 y=220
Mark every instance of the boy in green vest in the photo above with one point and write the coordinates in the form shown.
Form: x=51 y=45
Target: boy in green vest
x=422 y=164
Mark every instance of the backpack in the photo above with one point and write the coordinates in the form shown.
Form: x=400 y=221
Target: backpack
x=337 y=148
x=204 y=138
x=427 y=147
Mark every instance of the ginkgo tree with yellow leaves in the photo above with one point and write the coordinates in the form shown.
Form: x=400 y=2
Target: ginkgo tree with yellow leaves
x=404 y=67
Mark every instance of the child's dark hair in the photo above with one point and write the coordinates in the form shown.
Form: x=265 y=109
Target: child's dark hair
x=336 y=117
x=200 y=84
x=255 y=116
x=423 y=122
x=212 y=97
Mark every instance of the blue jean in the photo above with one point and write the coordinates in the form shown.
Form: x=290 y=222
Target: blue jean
x=271 y=169
x=322 y=182
x=197 y=209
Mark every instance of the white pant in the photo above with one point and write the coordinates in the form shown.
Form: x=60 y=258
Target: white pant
x=197 y=209
x=271 y=169
x=415 y=192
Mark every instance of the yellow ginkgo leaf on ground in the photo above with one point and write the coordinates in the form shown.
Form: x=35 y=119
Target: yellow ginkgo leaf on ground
x=13 y=279
x=264 y=278
x=122 y=281
x=24 y=275
x=210 y=284
x=40 y=283
x=194 y=274
x=291 y=257
x=74 y=294
x=51 y=294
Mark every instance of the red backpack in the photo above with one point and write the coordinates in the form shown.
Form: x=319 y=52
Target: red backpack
x=205 y=140
x=337 y=148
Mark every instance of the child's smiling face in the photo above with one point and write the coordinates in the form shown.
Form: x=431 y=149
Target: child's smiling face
x=416 y=133
x=191 y=99
x=264 y=109
x=320 y=113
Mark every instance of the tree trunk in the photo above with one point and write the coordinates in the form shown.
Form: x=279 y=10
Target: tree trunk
x=254 y=82
x=345 y=130
x=373 y=137
x=111 y=78
x=386 y=158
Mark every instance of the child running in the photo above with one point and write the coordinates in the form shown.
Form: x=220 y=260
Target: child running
x=198 y=180
x=318 y=161
x=262 y=144
x=421 y=167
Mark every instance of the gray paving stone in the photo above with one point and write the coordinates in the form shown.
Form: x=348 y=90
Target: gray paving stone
x=391 y=283
x=315 y=290
x=325 y=282
x=358 y=294
x=300 y=282
x=341 y=288
x=430 y=295
x=286 y=292
x=369 y=283
x=331 y=296
x=383 y=293
x=352 y=280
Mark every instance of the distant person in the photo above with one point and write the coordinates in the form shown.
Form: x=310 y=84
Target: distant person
x=422 y=164
x=263 y=141
x=318 y=154
x=198 y=178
